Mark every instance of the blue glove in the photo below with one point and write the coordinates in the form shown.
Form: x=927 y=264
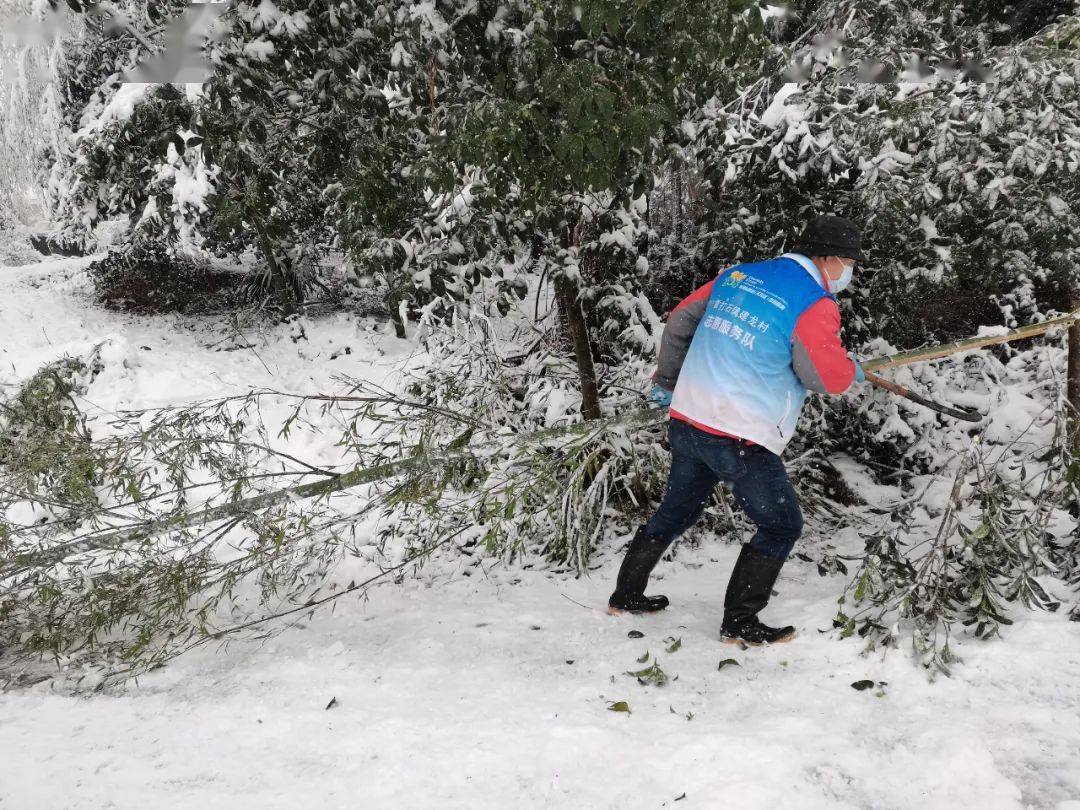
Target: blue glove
x=661 y=396
x=860 y=375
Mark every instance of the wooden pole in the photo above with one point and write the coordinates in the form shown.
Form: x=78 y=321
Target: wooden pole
x=945 y=349
x=899 y=390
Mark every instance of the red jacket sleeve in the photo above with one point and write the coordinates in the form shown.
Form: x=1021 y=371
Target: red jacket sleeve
x=817 y=355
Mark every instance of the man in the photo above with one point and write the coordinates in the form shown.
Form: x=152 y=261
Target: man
x=736 y=360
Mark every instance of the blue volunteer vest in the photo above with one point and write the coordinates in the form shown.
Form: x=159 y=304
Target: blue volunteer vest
x=737 y=375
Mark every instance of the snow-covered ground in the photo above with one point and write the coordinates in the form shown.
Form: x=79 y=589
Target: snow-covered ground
x=481 y=686
x=46 y=312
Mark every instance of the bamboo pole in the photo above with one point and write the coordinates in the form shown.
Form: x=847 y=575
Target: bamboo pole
x=945 y=349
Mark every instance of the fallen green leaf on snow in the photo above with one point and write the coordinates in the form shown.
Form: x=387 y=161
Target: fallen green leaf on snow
x=651 y=675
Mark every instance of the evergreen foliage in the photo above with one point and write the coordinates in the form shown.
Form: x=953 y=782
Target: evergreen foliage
x=991 y=544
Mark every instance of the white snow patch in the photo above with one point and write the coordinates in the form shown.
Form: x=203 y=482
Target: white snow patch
x=505 y=689
x=559 y=403
x=119 y=108
x=779 y=110
x=259 y=49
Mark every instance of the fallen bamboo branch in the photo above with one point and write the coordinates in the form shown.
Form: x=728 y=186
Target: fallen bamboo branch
x=118 y=538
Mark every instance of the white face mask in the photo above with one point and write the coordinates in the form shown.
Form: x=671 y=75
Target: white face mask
x=839 y=284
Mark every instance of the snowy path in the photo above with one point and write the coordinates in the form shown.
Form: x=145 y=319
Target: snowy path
x=463 y=695
x=483 y=692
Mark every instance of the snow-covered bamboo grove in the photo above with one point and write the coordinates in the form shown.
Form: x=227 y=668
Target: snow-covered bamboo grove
x=330 y=334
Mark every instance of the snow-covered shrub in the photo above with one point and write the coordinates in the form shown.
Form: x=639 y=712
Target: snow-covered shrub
x=552 y=495
x=45 y=448
x=1003 y=524
x=147 y=278
x=56 y=244
x=16 y=250
x=87 y=178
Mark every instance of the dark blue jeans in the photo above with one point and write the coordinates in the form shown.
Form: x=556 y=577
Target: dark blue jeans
x=756 y=477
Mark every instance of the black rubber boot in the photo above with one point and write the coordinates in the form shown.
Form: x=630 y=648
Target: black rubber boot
x=641 y=557
x=748 y=593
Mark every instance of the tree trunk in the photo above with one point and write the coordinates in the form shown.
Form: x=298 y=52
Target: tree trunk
x=566 y=292
x=399 y=325
x=677 y=208
x=397 y=316
x=1072 y=384
x=283 y=292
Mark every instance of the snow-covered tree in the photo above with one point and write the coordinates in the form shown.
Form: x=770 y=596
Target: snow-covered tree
x=28 y=119
x=955 y=152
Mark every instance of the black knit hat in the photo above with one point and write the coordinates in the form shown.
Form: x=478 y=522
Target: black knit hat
x=830 y=236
